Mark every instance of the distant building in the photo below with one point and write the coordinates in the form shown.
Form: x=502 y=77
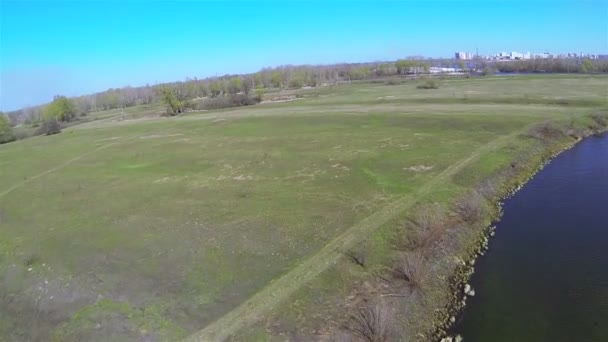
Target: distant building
x=464 y=55
x=441 y=70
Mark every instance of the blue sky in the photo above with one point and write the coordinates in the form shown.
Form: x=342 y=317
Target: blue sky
x=78 y=47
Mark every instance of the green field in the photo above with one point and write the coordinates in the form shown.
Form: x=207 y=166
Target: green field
x=135 y=227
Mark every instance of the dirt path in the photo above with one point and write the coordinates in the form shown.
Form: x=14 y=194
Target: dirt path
x=280 y=289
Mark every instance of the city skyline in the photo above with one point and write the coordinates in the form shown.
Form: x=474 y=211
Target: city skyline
x=517 y=55
x=75 y=48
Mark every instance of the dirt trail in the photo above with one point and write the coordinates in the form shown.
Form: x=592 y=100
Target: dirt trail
x=280 y=289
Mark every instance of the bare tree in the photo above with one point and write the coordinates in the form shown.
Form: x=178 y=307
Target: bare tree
x=411 y=268
x=470 y=207
x=425 y=228
x=372 y=322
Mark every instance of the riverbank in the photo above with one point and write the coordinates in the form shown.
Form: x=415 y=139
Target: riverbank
x=460 y=288
x=544 y=275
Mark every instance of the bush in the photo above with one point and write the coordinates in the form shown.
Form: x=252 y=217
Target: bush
x=470 y=207
x=600 y=118
x=429 y=83
x=20 y=135
x=488 y=70
x=489 y=189
x=372 y=323
x=235 y=100
x=357 y=256
x=392 y=81
x=546 y=132
x=49 y=127
x=424 y=229
x=411 y=268
x=6 y=132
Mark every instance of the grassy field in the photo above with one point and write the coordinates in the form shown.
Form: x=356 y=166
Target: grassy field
x=235 y=221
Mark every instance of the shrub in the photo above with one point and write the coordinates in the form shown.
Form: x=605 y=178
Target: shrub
x=470 y=207
x=173 y=100
x=411 y=268
x=357 y=256
x=600 y=118
x=392 y=81
x=429 y=83
x=488 y=70
x=424 y=229
x=20 y=135
x=490 y=188
x=546 y=131
x=49 y=127
x=6 y=132
x=372 y=322
x=234 y=100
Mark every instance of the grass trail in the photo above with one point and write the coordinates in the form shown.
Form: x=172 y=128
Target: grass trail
x=56 y=168
x=280 y=289
x=63 y=165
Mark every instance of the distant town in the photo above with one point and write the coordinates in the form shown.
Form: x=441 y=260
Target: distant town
x=514 y=55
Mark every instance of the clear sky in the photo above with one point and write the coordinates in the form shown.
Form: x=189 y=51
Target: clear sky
x=78 y=47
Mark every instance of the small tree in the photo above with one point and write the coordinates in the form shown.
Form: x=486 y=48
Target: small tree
x=403 y=66
x=586 y=66
x=488 y=70
x=49 y=126
x=61 y=109
x=276 y=78
x=259 y=94
x=173 y=103
x=6 y=132
x=372 y=323
x=235 y=85
x=215 y=88
x=411 y=268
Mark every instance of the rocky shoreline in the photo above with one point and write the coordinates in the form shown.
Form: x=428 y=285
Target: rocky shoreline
x=459 y=287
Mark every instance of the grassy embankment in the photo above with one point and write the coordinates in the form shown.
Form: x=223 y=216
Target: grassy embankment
x=160 y=227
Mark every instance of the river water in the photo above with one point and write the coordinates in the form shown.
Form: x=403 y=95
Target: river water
x=545 y=276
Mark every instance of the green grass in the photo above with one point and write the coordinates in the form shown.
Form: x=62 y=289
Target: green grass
x=187 y=218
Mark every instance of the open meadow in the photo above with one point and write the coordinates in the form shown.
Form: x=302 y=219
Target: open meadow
x=235 y=222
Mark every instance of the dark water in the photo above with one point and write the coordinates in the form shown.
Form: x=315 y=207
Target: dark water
x=545 y=277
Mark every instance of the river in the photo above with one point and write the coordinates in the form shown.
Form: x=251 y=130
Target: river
x=545 y=276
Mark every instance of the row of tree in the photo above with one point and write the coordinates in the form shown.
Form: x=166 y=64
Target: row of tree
x=554 y=66
x=176 y=95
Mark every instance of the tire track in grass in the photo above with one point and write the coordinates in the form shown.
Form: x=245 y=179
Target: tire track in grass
x=280 y=289
x=77 y=158
x=61 y=166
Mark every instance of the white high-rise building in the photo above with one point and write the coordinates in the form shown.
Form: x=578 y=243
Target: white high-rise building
x=464 y=55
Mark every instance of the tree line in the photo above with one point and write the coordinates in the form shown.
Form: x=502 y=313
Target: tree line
x=234 y=90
